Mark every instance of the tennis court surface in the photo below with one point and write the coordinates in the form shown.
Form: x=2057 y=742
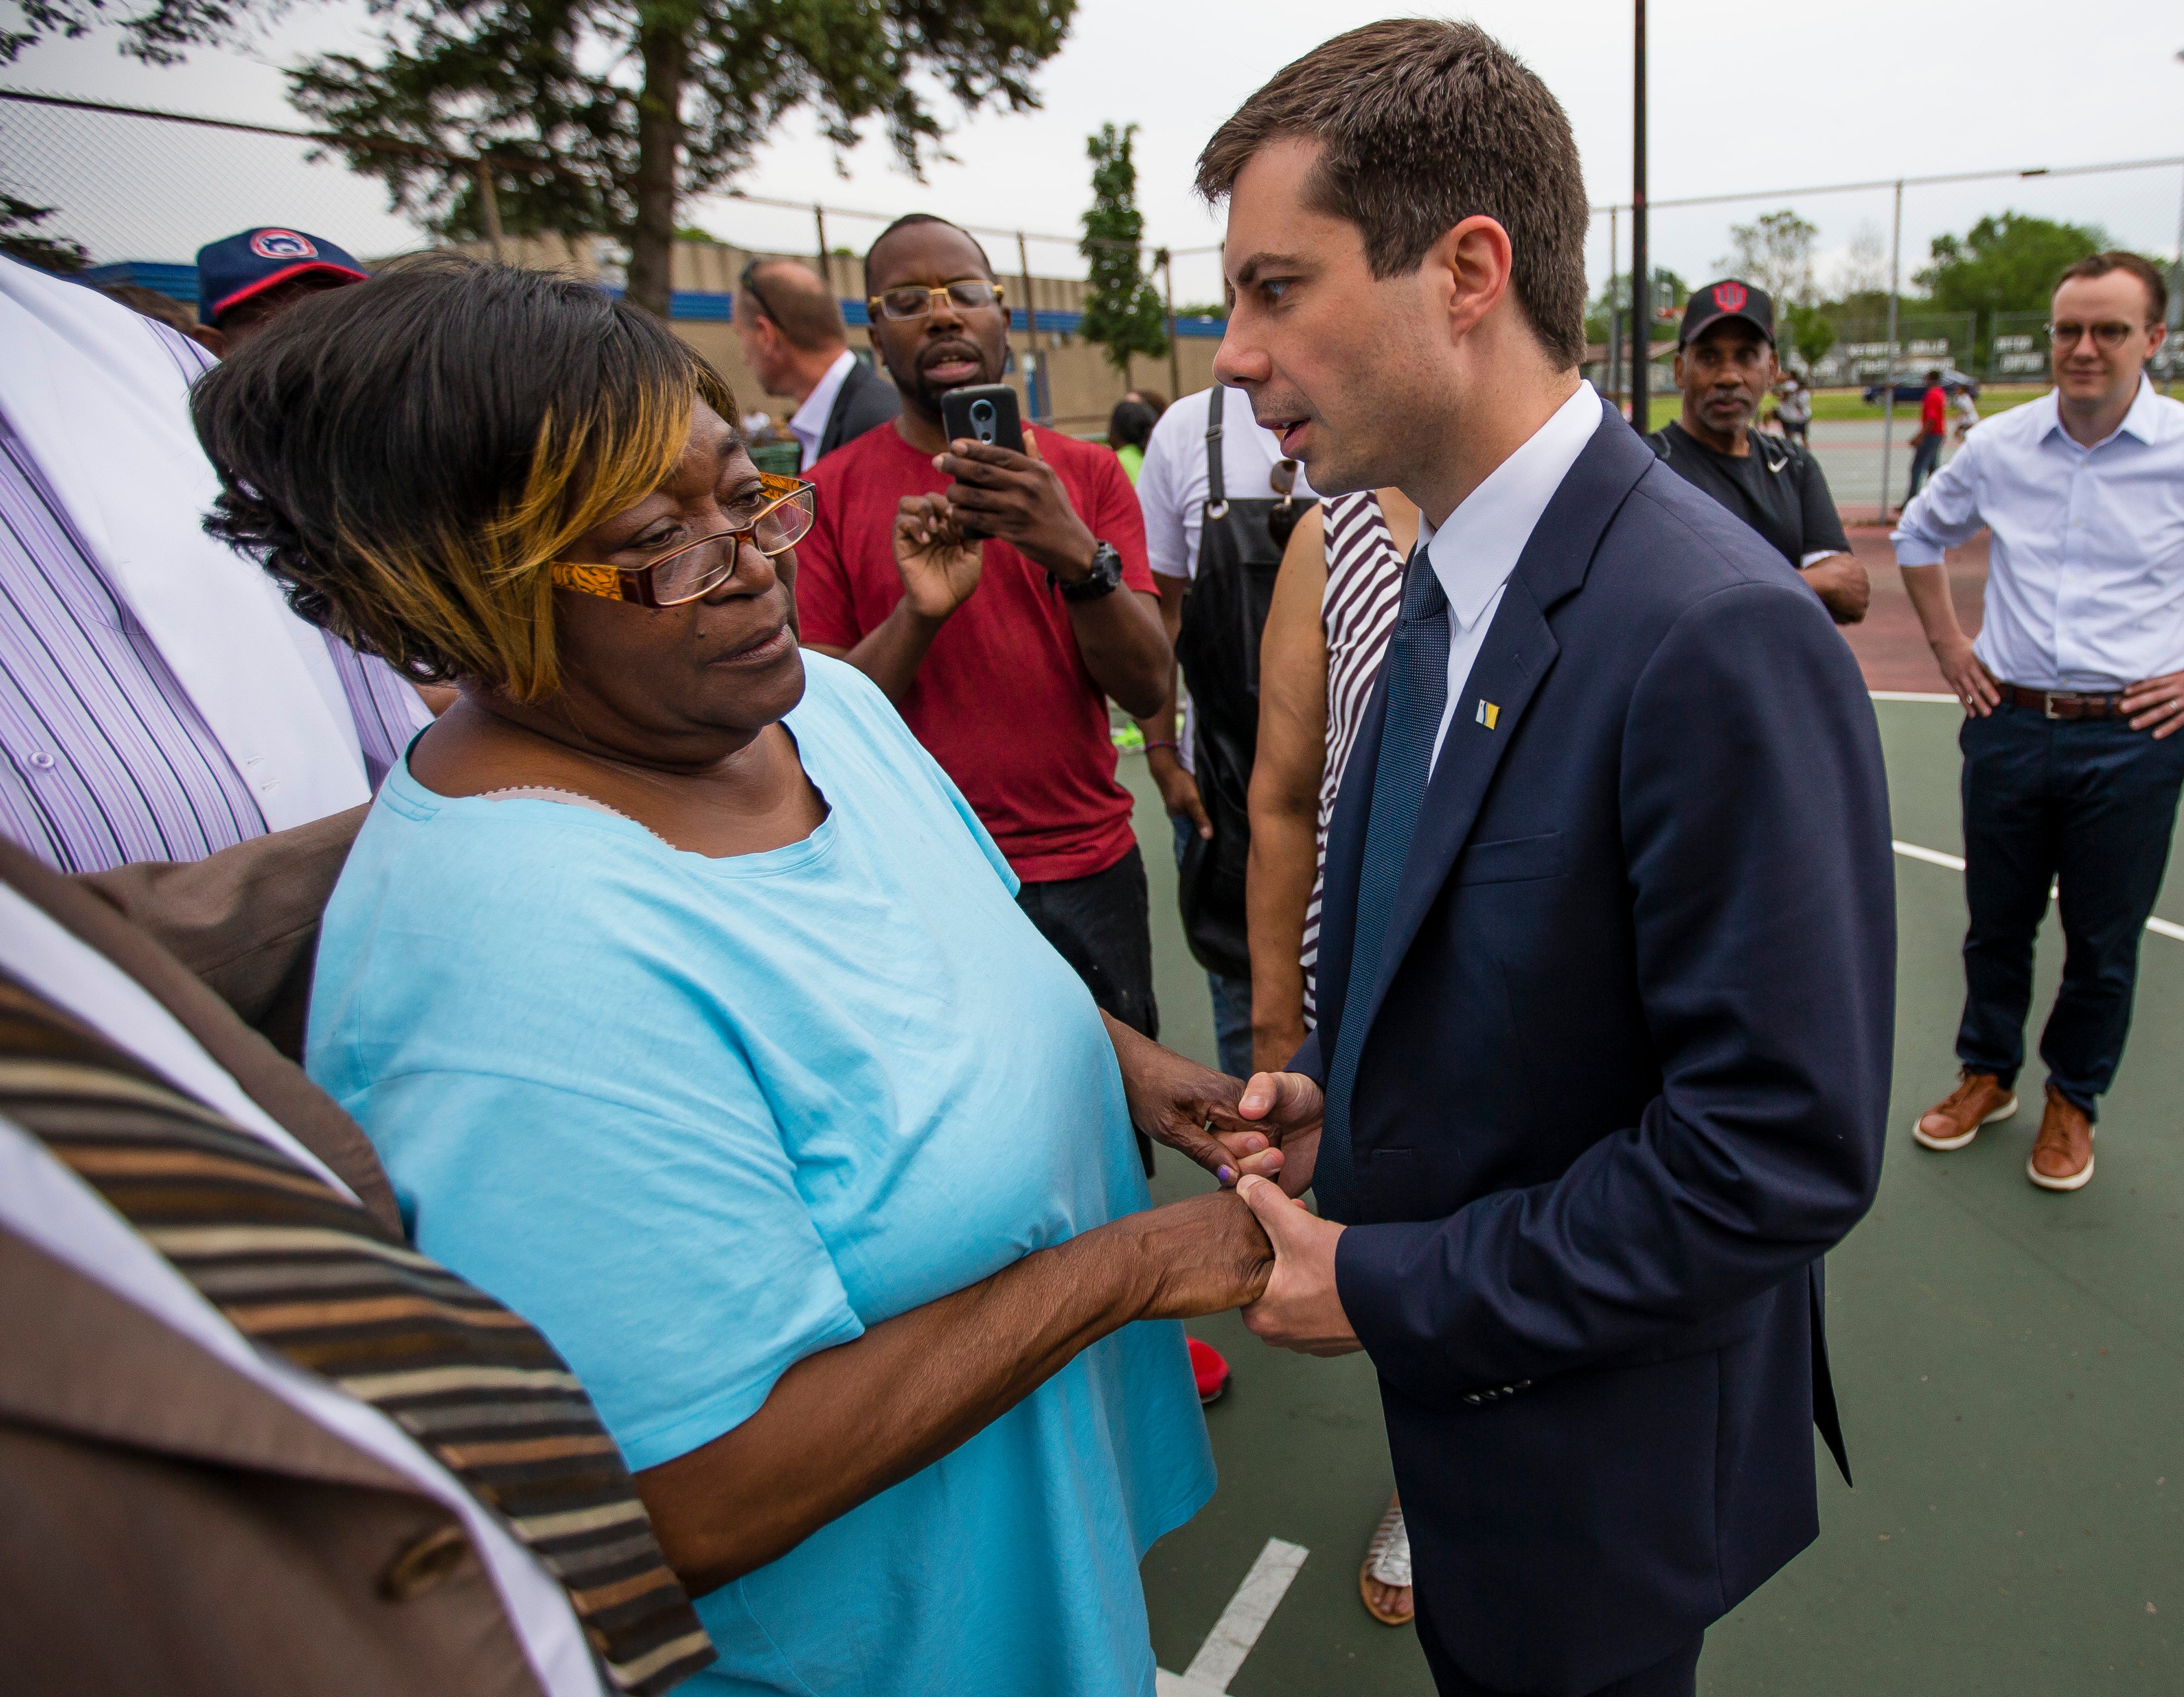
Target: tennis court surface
x=2010 y=1363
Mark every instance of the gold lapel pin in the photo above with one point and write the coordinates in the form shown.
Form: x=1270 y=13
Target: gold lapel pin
x=1488 y=713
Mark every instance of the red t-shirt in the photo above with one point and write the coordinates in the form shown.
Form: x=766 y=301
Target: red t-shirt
x=1003 y=700
x=1934 y=412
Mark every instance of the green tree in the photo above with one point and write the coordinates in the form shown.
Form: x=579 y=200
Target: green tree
x=21 y=239
x=1122 y=310
x=1806 y=332
x=1776 y=252
x=157 y=35
x=600 y=116
x=2005 y=263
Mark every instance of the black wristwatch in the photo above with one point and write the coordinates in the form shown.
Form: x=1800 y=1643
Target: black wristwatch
x=1105 y=578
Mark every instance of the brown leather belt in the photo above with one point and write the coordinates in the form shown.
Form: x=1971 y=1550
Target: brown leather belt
x=2063 y=703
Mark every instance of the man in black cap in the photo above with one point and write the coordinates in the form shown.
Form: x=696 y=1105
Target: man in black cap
x=245 y=279
x=1725 y=366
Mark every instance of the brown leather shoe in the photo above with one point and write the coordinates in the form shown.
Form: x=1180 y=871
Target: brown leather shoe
x=1978 y=1099
x=2062 y=1154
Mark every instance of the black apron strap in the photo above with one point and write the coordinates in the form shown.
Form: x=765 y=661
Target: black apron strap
x=1216 y=492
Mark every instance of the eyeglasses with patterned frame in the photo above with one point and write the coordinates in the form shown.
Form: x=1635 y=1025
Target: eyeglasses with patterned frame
x=916 y=300
x=685 y=573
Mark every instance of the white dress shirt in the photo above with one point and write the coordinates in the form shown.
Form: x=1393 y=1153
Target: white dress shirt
x=46 y=1205
x=2085 y=584
x=1474 y=552
x=810 y=422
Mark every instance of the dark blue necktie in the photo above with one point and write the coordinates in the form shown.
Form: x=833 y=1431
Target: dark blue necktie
x=1417 y=693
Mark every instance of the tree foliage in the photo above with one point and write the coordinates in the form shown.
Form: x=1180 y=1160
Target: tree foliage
x=600 y=118
x=1122 y=310
x=1805 y=330
x=1776 y=252
x=158 y=34
x=21 y=239
x=2005 y=263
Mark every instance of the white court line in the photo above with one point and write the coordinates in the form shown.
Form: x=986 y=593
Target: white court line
x=1240 y=1626
x=1955 y=863
x=1911 y=695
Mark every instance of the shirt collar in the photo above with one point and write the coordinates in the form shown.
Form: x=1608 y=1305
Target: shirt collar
x=1474 y=552
x=2144 y=419
x=811 y=417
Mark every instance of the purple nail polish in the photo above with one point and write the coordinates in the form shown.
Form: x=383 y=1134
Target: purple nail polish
x=1224 y=1174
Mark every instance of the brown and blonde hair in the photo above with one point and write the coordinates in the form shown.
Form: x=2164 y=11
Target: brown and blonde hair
x=1424 y=124
x=407 y=456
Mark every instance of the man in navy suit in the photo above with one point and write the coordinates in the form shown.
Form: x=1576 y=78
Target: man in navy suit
x=1607 y=964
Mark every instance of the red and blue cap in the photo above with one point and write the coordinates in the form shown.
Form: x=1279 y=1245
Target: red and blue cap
x=236 y=267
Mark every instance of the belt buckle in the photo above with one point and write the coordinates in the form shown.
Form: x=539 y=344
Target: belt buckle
x=2048 y=700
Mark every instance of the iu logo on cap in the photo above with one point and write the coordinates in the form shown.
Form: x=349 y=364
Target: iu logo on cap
x=286 y=244
x=1729 y=297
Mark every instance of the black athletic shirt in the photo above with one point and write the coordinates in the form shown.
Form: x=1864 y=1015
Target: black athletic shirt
x=1778 y=489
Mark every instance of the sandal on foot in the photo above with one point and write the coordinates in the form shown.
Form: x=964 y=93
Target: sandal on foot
x=1388 y=1563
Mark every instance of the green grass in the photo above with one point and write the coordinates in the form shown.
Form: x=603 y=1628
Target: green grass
x=1842 y=404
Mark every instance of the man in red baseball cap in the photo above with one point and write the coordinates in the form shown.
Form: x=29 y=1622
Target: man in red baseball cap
x=244 y=280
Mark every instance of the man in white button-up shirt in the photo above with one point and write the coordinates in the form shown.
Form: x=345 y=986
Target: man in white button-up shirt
x=2071 y=693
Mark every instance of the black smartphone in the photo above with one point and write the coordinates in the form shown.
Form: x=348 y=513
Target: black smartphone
x=984 y=412
x=987 y=413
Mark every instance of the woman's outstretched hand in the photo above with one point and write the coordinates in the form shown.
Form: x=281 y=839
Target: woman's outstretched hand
x=1202 y=1255
x=1283 y=1110
x=1171 y=1099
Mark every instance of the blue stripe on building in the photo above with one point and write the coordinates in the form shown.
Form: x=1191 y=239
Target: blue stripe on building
x=696 y=306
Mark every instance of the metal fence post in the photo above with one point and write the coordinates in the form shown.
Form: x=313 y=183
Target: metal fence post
x=1031 y=329
x=1174 y=357
x=1888 y=352
x=1641 y=289
x=2176 y=296
x=1614 y=317
x=826 y=265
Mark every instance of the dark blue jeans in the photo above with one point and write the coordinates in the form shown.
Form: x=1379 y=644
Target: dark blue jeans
x=1925 y=461
x=2090 y=804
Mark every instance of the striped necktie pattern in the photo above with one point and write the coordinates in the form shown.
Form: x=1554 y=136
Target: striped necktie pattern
x=302 y=1270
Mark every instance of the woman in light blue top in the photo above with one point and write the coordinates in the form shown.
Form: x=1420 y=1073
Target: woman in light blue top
x=690 y=1010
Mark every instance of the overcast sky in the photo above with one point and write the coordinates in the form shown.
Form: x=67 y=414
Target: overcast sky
x=1859 y=89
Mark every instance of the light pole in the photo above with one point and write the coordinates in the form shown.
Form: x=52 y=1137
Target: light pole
x=1641 y=279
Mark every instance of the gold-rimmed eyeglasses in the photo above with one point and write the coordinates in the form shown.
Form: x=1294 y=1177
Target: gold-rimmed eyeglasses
x=917 y=300
x=784 y=508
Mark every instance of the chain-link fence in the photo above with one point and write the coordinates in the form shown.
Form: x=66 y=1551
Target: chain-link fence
x=1961 y=265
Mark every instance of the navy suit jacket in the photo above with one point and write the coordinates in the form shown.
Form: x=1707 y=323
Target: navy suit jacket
x=1624 y=1082
x=865 y=402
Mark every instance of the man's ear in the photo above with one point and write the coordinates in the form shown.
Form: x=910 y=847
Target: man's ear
x=1472 y=262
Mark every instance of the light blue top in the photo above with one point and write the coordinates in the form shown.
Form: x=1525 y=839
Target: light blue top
x=700 y=1118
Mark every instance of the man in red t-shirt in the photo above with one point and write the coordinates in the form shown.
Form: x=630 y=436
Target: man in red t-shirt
x=1933 y=431
x=1001 y=655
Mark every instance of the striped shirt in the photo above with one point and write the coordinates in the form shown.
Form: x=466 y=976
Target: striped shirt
x=1357 y=613
x=104 y=758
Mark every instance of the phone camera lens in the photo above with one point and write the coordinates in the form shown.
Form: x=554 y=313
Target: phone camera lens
x=982 y=418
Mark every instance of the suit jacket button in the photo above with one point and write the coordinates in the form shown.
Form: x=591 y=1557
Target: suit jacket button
x=424 y=1564
x=1472 y=1397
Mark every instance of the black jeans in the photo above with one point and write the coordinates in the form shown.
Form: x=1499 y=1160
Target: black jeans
x=1676 y=1675
x=2090 y=804
x=1102 y=925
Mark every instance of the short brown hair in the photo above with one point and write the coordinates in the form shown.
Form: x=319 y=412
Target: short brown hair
x=1426 y=124
x=803 y=308
x=2116 y=259
x=408 y=456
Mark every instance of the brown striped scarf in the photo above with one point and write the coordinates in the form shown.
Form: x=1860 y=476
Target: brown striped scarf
x=305 y=1272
